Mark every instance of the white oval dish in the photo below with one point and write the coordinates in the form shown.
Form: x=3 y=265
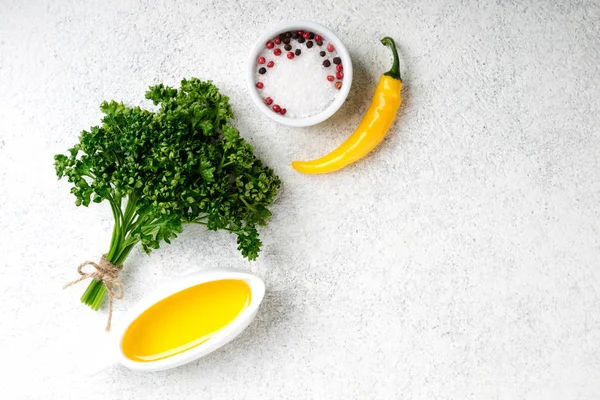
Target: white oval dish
x=222 y=337
x=292 y=26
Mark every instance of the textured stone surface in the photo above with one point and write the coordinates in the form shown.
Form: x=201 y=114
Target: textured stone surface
x=459 y=261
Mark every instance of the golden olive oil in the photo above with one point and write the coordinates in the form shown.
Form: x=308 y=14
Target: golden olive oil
x=185 y=319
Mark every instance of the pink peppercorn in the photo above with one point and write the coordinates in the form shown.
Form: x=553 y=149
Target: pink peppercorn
x=330 y=78
x=300 y=32
x=306 y=35
x=270 y=64
x=268 y=101
x=283 y=111
x=338 y=85
x=339 y=74
x=290 y=55
x=330 y=48
x=277 y=41
x=276 y=108
x=261 y=60
x=277 y=52
x=339 y=67
x=318 y=38
x=260 y=85
x=270 y=45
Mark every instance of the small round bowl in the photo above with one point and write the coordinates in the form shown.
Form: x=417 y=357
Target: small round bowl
x=305 y=26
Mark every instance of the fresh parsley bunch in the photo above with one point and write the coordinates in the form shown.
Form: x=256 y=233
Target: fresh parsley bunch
x=185 y=163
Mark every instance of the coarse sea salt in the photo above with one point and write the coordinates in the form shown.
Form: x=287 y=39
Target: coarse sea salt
x=299 y=84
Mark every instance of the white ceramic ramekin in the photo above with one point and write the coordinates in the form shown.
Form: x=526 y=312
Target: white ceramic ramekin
x=305 y=26
x=222 y=337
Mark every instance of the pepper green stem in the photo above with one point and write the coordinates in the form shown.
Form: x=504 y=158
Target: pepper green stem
x=394 y=72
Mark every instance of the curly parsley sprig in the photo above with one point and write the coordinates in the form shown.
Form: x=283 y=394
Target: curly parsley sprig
x=185 y=163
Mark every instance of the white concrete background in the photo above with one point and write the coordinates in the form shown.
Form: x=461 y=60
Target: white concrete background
x=460 y=261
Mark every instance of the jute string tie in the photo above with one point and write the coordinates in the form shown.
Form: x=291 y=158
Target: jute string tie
x=108 y=274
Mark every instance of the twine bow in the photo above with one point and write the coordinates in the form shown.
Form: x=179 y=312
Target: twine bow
x=106 y=272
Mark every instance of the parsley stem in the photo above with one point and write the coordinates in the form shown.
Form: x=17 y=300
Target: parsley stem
x=96 y=291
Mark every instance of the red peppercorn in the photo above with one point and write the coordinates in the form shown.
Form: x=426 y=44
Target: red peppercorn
x=260 y=85
x=290 y=54
x=330 y=48
x=268 y=101
x=306 y=35
x=339 y=74
x=276 y=108
x=261 y=60
x=270 y=64
x=330 y=78
x=277 y=41
x=277 y=52
x=339 y=67
x=318 y=38
x=270 y=45
x=283 y=111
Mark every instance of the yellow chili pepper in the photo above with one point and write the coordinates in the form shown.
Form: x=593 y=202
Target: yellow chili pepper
x=371 y=130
